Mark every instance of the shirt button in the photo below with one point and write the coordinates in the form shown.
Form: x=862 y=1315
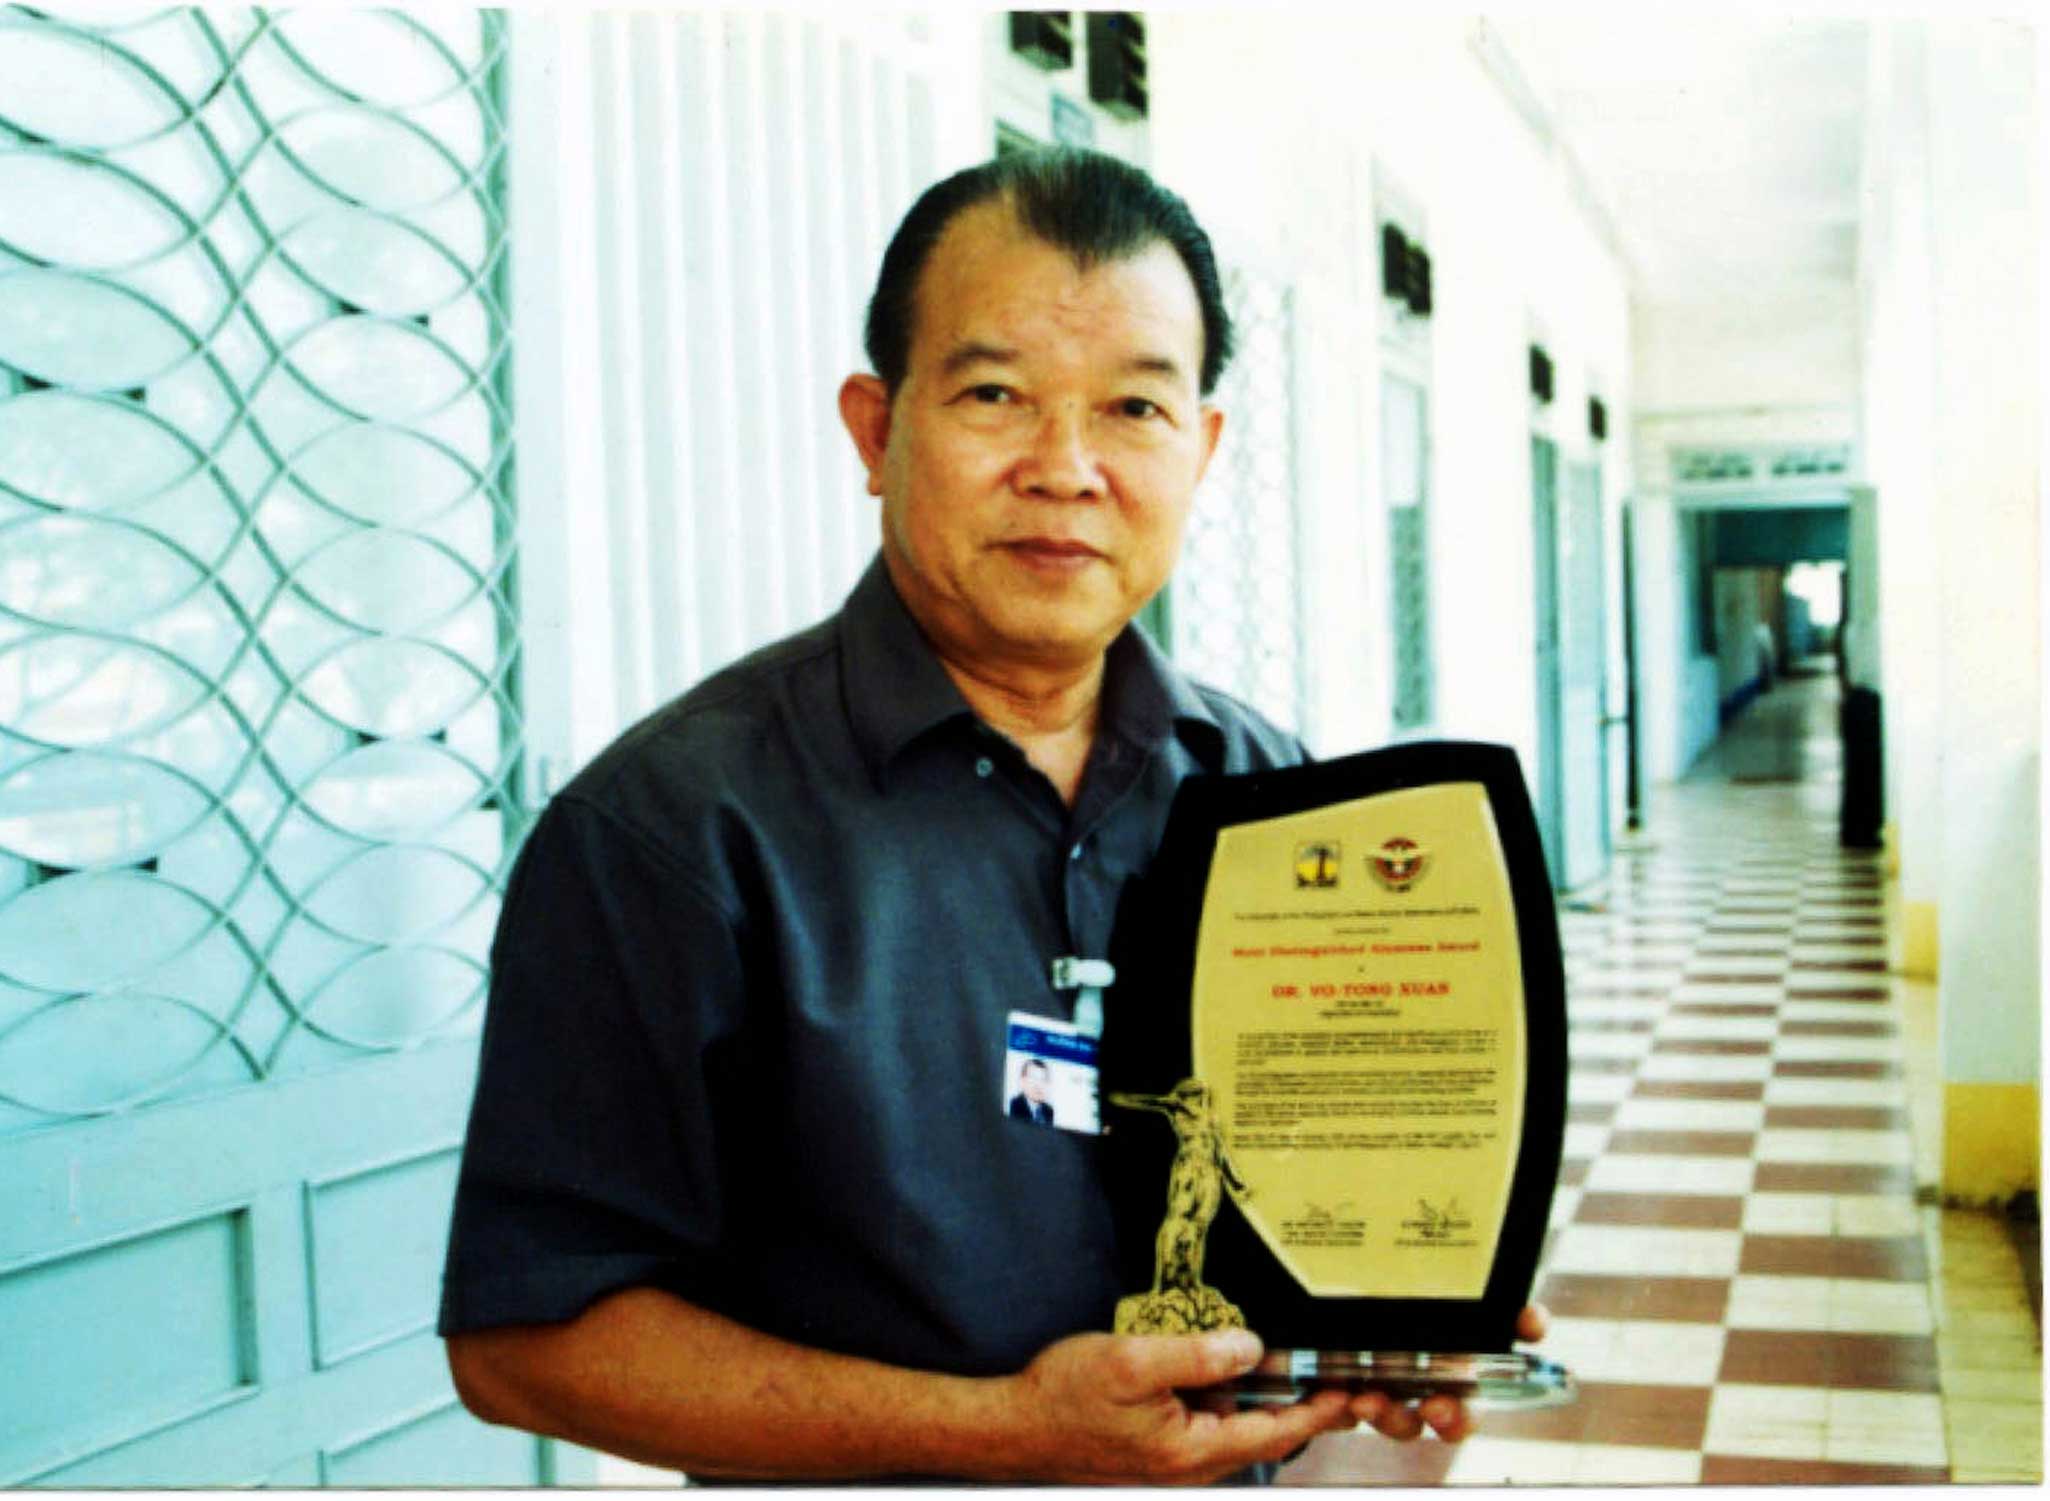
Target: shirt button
x=1075 y=853
x=984 y=766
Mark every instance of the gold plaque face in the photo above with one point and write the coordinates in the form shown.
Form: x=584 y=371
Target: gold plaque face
x=1358 y=1017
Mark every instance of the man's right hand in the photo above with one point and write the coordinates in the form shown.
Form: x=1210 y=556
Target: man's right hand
x=1105 y=1408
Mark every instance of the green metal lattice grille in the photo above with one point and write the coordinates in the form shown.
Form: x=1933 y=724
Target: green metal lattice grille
x=1235 y=609
x=1405 y=445
x=259 y=726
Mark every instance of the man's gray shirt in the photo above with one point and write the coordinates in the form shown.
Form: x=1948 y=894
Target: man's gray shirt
x=746 y=1032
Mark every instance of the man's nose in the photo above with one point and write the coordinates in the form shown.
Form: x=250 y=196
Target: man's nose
x=1062 y=463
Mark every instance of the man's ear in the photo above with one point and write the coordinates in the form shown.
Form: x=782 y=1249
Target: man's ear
x=865 y=409
x=1212 y=420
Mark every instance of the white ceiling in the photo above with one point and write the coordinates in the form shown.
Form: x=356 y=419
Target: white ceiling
x=1725 y=149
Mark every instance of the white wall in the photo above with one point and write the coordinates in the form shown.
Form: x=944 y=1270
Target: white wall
x=1750 y=354
x=1287 y=176
x=1951 y=299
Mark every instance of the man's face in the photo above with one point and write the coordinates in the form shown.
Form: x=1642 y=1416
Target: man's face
x=1032 y=1082
x=1037 y=463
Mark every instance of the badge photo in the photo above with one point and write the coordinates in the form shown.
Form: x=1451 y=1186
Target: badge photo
x=1050 y=1074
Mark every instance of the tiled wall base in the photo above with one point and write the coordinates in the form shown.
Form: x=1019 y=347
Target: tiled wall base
x=1918 y=940
x=1990 y=1142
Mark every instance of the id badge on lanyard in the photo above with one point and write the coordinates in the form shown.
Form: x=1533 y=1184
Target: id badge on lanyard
x=1050 y=1072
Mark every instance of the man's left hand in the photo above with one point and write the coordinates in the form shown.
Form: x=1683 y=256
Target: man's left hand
x=1445 y=1416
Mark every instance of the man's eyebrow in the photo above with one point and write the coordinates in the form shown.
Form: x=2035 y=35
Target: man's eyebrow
x=977 y=353
x=1154 y=364
x=972 y=353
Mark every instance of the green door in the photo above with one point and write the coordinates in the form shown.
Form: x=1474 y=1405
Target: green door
x=1583 y=739
x=259 y=737
x=1546 y=776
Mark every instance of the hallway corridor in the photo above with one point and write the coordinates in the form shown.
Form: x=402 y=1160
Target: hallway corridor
x=1739 y=1270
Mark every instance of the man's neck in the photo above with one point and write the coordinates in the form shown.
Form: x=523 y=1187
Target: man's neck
x=1050 y=713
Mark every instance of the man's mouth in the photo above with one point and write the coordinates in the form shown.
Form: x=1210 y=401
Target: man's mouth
x=1053 y=554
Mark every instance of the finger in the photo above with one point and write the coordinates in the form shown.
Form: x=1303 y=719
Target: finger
x=1142 y=1365
x=1273 y=1433
x=1368 y=1408
x=1532 y=1323
x=1399 y=1421
x=1447 y=1417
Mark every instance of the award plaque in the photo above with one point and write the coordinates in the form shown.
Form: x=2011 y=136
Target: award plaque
x=1340 y=984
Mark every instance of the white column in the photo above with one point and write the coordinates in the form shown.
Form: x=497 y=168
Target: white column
x=1900 y=457
x=1983 y=207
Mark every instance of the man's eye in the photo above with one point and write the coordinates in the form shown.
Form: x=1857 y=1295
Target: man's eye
x=1139 y=406
x=990 y=395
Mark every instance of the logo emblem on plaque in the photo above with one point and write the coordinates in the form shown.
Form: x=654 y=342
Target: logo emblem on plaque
x=1399 y=863
x=1316 y=863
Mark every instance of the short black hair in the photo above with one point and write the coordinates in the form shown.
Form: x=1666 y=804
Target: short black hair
x=1093 y=206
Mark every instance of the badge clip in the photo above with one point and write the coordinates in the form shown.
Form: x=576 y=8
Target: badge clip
x=1090 y=977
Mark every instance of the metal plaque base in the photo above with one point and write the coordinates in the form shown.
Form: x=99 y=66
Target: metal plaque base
x=1498 y=1381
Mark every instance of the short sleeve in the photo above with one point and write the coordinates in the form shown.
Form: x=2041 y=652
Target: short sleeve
x=593 y=1160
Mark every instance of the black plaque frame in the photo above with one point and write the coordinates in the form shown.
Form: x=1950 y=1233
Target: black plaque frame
x=1147 y=1049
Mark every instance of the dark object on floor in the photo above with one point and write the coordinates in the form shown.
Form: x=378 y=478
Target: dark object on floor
x=1864 y=804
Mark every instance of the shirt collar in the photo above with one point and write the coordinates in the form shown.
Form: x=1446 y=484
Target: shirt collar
x=1146 y=697
x=891 y=681
x=896 y=691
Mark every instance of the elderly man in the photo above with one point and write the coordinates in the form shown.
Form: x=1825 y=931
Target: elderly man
x=741 y=1194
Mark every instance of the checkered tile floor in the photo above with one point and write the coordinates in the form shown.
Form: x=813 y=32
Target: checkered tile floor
x=1737 y=1270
